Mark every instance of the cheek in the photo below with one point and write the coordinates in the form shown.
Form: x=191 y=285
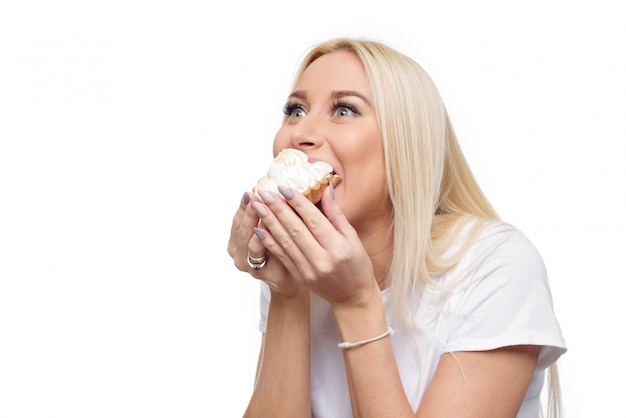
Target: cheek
x=370 y=160
x=281 y=141
x=366 y=171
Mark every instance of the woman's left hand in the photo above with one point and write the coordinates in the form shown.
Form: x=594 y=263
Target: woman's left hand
x=321 y=250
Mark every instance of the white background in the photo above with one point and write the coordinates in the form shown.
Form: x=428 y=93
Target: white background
x=130 y=129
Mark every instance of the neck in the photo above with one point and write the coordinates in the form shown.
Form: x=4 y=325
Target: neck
x=379 y=246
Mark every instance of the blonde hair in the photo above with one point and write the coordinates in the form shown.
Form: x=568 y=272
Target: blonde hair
x=432 y=189
x=433 y=192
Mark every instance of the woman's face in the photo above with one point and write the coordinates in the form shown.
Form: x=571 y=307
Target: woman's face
x=330 y=117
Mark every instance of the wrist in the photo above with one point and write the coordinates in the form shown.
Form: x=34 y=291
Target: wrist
x=300 y=296
x=357 y=322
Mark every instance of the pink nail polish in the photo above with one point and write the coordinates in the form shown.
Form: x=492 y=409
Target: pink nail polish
x=267 y=197
x=259 y=234
x=331 y=190
x=287 y=194
x=259 y=209
x=246 y=198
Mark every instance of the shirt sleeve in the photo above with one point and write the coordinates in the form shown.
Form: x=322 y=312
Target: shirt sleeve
x=506 y=301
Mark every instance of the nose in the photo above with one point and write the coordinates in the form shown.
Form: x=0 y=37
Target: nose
x=306 y=134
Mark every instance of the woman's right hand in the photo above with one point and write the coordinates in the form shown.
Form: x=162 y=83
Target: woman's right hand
x=243 y=241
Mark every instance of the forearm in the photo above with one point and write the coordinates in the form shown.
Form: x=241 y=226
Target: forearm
x=373 y=378
x=282 y=388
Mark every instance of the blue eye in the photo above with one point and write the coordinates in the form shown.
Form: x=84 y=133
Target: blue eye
x=294 y=110
x=343 y=110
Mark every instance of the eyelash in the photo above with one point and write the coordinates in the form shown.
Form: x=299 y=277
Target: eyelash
x=291 y=107
x=338 y=105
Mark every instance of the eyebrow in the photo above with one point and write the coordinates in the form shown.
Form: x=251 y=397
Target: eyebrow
x=337 y=94
x=344 y=93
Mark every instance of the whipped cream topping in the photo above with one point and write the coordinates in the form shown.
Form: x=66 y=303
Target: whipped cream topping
x=291 y=168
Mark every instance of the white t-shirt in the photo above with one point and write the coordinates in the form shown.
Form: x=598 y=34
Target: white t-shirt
x=505 y=301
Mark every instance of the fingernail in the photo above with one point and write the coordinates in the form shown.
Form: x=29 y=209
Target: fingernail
x=331 y=189
x=267 y=197
x=246 y=198
x=259 y=234
x=260 y=209
x=287 y=194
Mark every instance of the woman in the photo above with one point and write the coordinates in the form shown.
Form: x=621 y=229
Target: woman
x=439 y=309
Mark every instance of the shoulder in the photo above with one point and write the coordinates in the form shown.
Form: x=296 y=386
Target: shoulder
x=467 y=240
x=503 y=296
x=502 y=260
x=503 y=246
x=485 y=254
x=501 y=273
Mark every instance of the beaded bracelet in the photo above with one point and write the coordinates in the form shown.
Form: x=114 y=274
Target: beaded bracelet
x=345 y=345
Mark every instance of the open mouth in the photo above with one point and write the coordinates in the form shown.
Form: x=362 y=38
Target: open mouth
x=314 y=160
x=307 y=174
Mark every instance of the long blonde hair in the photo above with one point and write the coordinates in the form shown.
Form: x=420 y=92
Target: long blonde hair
x=431 y=186
x=432 y=189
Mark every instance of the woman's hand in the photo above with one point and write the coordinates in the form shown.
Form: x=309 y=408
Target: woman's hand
x=244 y=240
x=322 y=251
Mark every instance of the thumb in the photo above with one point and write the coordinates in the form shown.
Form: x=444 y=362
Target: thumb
x=333 y=212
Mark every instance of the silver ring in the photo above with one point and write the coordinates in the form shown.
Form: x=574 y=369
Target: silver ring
x=256 y=263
